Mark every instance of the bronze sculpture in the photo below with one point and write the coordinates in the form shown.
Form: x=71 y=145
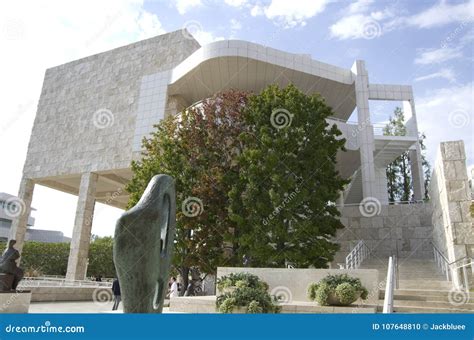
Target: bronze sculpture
x=12 y=274
x=143 y=246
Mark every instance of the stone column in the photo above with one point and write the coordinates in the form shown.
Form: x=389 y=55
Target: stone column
x=365 y=130
x=20 y=216
x=450 y=195
x=81 y=235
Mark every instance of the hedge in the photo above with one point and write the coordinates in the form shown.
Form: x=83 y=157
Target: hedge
x=40 y=258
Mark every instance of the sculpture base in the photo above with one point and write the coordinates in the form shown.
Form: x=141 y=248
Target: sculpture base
x=15 y=301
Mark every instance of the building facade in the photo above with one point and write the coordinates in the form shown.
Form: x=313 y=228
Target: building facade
x=94 y=112
x=10 y=208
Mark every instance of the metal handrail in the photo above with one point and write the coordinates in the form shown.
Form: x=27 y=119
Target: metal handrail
x=357 y=255
x=449 y=270
x=390 y=203
x=55 y=282
x=390 y=284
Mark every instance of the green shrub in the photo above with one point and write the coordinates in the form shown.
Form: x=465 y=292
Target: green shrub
x=254 y=308
x=345 y=288
x=248 y=292
x=346 y=293
x=322 y=294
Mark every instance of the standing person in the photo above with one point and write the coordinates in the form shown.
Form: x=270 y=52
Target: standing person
x=174 y=287
x=117 y=295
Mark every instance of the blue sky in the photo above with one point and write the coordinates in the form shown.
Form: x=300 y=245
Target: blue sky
x=427 y=44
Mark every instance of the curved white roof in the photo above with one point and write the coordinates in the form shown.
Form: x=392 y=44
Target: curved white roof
x=251 y=67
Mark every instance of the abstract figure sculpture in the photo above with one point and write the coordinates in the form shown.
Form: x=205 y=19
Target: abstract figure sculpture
x=10 y=273
x=143 y=247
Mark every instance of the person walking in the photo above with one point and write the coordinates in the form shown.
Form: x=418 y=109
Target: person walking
x=174 y=287
x=117 y=295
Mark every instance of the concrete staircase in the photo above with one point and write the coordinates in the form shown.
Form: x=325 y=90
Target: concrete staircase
x=422 y=289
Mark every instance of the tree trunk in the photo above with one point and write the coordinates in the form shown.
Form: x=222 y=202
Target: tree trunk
x=184 y=272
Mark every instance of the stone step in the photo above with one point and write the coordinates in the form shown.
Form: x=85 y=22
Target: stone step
x=424 y=310
x=426 y=284
x=432 y=304
x=425 y=295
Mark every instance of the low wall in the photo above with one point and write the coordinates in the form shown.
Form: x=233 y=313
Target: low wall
x=293 y=283
x=388 y=229
x=50 y=294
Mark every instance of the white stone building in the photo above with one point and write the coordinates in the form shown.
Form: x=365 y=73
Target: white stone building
x=10 y=207
x=94 y=112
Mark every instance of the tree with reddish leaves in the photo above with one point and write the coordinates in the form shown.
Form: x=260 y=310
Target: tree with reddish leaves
x=199 y=149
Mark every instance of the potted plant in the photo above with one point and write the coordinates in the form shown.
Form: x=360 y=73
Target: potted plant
x=337 y=290
x=244 y=293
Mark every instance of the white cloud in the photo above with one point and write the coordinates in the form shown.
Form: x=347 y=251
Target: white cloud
x=37 y=35
x=236 y=3
x=442 y=14
x=183 y=6
x=446 y=114
x=357 y=14
x=437 y=56
x=445 y=73
x=358 y=26
x=206 y=37
x=290 y=13
x=359 y=6
x=235 y=25
x=257 y=10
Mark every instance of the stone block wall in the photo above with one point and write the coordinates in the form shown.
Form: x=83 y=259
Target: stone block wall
x=451 y=199
x=404 y=228
x=87 y=113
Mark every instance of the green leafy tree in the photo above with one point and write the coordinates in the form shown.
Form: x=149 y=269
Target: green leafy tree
x=426 y=166
x=199 y=148
x=399 y=175
x=282 y=201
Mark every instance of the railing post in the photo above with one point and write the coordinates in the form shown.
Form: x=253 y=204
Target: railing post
x=464 y=274
x=388 y=298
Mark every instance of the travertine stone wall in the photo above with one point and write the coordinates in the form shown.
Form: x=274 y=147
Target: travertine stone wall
x=388 y=228
x=451 y=199
x=86 y=114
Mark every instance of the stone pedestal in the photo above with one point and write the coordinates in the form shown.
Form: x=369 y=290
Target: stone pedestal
x=15 y=301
